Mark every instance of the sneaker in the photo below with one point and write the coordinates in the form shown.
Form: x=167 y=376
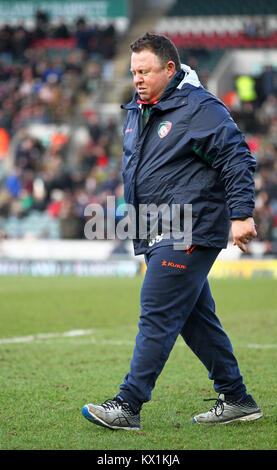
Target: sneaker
x=113 y=414
x=226 y=411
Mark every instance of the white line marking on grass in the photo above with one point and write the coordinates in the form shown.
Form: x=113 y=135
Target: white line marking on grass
x=113 y=342
x=40 y=336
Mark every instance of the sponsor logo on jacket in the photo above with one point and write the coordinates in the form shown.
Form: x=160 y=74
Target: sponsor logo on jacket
x=157 y=239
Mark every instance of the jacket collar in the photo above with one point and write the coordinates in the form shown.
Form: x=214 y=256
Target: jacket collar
x=180 y=86
x=172 y=101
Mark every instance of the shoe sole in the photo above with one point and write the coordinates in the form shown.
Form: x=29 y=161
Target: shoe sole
x=250 y=417
x=95 y=420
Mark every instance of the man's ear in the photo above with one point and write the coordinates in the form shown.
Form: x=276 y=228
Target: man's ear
x=171 y=68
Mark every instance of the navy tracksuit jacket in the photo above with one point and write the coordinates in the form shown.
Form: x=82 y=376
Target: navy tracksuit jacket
x=189 y=152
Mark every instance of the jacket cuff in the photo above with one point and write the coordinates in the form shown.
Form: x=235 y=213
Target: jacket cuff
x=241 y=214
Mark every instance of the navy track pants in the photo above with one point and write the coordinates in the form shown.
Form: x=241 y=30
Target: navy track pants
x=176 y=299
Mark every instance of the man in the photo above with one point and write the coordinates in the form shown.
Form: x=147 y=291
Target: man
x=182 y=147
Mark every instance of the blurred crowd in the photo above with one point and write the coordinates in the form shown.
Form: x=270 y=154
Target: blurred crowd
x=253 y=104
x=44 y=193
x=47 y=73
x=42 y=82
x=45 y=183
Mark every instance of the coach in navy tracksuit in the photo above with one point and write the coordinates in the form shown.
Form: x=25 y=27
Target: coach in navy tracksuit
x=182 y=147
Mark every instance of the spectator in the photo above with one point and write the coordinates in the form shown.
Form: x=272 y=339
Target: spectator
x=268 y=81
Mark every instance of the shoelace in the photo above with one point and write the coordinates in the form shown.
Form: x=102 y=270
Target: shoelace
x=218 y=407
x=111 y=404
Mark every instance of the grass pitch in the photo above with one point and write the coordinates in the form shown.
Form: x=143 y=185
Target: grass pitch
x=68 y=341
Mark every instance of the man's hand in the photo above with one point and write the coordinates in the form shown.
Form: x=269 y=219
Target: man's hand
x=243 y=231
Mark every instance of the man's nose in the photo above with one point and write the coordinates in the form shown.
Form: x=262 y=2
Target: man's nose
x=138 y=79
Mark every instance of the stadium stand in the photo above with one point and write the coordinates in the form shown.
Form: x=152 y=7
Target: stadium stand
x=58 y=152
x=47 y=75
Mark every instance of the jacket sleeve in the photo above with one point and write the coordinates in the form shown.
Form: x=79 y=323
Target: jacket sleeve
x=214 y=136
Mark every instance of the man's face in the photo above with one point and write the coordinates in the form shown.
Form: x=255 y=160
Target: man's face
x=150 y=77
